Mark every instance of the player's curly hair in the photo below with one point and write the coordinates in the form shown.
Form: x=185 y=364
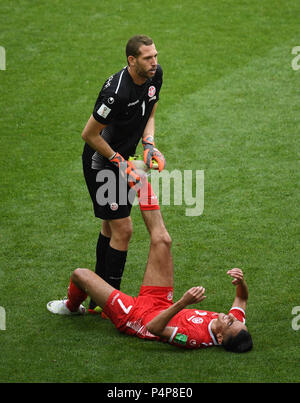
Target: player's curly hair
x=134 y=44
x=241 y=343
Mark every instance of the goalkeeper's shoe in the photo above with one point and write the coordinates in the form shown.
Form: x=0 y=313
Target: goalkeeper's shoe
x=59 y=307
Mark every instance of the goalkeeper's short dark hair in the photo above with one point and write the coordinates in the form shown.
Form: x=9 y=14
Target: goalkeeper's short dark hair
x=134 y=44
x=241 y=343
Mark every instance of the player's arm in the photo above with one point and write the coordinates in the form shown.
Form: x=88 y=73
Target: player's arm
x=158 y=325
x=91 y=136
x=150 y=126
x=150 y=152
x=241 y=296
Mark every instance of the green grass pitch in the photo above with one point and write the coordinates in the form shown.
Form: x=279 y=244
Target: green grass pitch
x=229 y=106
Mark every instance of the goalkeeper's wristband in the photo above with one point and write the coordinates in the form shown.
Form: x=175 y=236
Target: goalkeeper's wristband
x=116 y=159
x=112 y=157
x=148 y=140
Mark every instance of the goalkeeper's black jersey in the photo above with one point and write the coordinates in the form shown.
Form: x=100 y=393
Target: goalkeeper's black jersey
x=125 y=108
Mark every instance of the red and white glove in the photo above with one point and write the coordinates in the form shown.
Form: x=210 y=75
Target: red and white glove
x=152 y=153
x=126 y=168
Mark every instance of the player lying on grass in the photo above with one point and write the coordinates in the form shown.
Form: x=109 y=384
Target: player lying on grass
x=153 y=315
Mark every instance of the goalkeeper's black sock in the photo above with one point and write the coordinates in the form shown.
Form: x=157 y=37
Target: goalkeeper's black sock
x=102 y=246
x=115 y=263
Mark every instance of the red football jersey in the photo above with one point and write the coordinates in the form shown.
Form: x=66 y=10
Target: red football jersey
x=192 y=327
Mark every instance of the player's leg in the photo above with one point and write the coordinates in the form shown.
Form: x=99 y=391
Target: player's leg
x=83 y=282
x=101 y=249
x=111 y=253
x=116 y=254
x=159 y=267
x=91 y=284
x=121 y=232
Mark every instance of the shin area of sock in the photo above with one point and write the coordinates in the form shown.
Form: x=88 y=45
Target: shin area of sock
x=75 y=297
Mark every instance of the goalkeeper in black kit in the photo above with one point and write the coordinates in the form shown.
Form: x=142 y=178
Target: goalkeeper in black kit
x=124 y=114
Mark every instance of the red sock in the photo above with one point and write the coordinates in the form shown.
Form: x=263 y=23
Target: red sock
x=147 y=198
x=75 y=297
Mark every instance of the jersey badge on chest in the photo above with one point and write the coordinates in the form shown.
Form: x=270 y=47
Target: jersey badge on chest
x=151 y=91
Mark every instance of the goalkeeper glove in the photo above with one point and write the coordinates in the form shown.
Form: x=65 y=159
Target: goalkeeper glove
x=126 y=168
x=152 y=153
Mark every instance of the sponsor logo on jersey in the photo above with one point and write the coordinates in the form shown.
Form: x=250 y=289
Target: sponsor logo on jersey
x=134 y=103
x=108 y=82
x=151 y=91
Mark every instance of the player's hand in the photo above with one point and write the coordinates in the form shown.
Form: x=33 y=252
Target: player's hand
x=117 y=160
x=193 y=295
x=126 y=168
x=132 y=176
x=152 y=153
x=237 y=276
